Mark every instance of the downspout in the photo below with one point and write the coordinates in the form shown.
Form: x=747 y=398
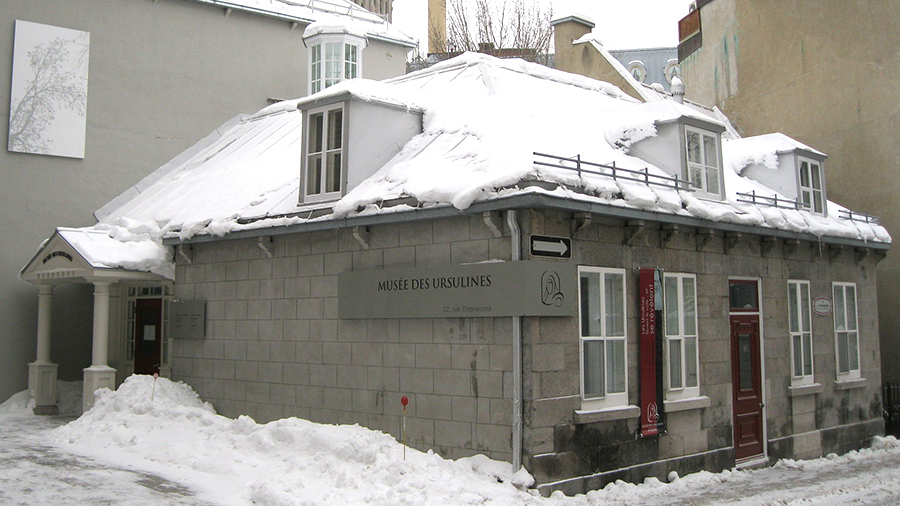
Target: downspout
x=517 y=429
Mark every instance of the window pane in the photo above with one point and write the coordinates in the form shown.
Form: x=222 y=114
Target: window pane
x=853 y=350
x=675 y=364
x=615 y=366
x=817 y=202
x=313 y=175
x=333 y=173
x=593 y=369
x=695 y=175
x=671 y=294
x=743 y=295
x=693 y=147
x=804 y=174
x=807 y=354
x=843 y=358
x=712 y=180
x=814 y=172
x=710 y=153
x=793 y=307
x=335 y=129
x=839 y=309
x=690 y=307
x=804 y=307
x=316 y=127
x=851 y=308
x=691 y=378
x=614 y=292
x=798 y=355
x=590 y=304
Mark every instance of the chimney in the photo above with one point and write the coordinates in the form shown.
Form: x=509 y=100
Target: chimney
x=566 y=30
x=437 y=26
x=677 y=90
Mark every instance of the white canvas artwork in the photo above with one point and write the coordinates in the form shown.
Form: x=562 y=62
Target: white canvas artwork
x=48 y=98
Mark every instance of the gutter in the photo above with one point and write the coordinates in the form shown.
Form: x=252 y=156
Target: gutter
x=529 y=201
x=517 y=429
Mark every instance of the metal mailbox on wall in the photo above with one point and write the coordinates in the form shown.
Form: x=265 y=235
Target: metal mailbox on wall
x=187 y=319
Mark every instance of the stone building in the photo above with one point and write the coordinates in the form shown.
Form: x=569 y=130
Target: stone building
x=162 y=74
x=594 y=296
x=825 y=75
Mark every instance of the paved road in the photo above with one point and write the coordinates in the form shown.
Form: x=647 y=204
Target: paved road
x=33 y=473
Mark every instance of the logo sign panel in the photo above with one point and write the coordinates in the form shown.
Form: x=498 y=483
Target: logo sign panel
x=478 y=290
x=822 y=306
x=549 y=246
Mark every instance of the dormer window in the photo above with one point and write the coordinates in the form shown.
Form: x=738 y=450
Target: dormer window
x=703 y=161
x=324 y=161
x=333 y=57
x=811 y=188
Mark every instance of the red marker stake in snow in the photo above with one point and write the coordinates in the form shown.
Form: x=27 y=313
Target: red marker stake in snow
x=153 y=390
x=404 y=401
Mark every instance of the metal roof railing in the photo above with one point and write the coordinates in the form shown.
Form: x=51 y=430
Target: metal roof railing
x=582 y=167
x=860 y=217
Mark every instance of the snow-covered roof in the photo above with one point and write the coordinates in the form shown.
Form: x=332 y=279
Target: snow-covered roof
x=483 y=120
x=92 y=252
x=343 y=13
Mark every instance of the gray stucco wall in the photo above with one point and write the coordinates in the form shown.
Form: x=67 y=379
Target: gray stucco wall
x=163 y=75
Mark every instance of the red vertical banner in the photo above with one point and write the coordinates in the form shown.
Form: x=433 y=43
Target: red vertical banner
x=650 y=353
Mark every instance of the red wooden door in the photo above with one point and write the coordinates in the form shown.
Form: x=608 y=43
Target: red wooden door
x=746 y=386
x=147 y=335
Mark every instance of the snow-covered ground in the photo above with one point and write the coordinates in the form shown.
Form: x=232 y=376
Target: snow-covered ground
x=156 y=442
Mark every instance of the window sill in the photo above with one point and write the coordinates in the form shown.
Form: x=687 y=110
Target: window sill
x=800 y=390
x=687 y=404
x=607 y=414
x=851 y=384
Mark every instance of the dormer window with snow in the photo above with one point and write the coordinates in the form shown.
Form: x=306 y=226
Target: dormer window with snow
x=324 y=161
x=703 y=161
x=811 y=188
x=333 y=57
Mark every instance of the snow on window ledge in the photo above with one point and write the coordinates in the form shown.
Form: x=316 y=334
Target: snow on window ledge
x=700 y=402
x=607 y=414
x=800 y=390
x=851 y=383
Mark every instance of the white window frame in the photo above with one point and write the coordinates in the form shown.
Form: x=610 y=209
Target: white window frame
x=681 y=332
x=327 y=151
x=614 y=393
x=332 y=59
x=800 y=333
x=844 y=307
x=811 y=192
x=704 y=165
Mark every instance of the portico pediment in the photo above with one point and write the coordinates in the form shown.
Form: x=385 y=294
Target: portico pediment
x=81 y=256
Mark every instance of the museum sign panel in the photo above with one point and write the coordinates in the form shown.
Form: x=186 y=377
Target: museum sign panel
x=489 y=289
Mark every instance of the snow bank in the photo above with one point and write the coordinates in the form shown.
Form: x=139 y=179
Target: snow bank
x=68 y=400
x=166 y=429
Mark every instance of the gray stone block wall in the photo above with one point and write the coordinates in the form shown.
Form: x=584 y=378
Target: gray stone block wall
x=847 y=415
x=274 y=346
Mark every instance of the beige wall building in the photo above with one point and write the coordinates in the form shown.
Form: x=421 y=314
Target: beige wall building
x=826 y=74
x=162 y=75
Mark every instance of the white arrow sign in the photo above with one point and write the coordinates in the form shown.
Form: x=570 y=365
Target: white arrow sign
x=551 y=246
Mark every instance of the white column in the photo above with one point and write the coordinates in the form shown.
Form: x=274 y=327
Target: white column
x=42 y=373
x=45 y=306
x=100 y=353
x=99 y=374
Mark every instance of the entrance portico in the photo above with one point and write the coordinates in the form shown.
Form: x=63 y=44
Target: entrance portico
x=76 y=256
